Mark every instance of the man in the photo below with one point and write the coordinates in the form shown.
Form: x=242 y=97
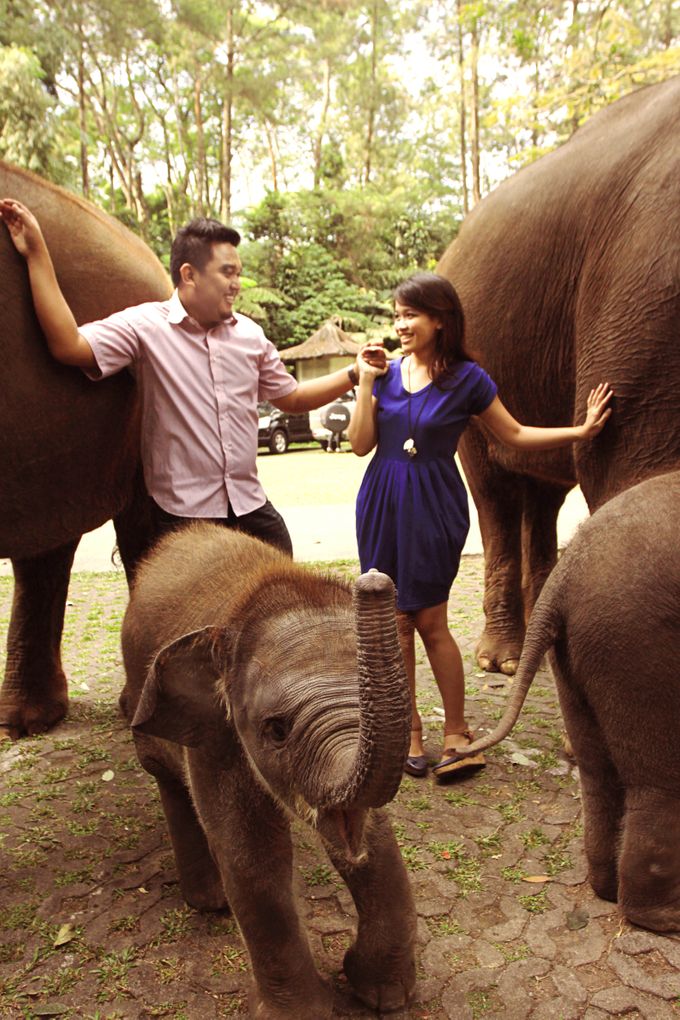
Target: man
x=202 y=370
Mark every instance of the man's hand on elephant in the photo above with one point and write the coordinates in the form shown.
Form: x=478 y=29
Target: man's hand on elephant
x=23 y=227
x=597 y=411
x=372 y=359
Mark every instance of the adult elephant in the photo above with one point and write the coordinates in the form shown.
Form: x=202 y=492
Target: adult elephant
x=69 y=450
x=569 y=274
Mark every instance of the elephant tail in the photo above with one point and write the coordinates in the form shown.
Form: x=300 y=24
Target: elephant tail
x=545 y=626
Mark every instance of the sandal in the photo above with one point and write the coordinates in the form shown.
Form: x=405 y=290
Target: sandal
x=453 y=763
x=416 y=764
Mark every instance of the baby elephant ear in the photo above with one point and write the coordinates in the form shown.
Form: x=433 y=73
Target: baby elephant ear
x=180 y=700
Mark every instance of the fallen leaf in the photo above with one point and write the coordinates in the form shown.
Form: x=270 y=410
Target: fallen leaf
x=50 y=1009
x=536 y=878
x=107 y=776
x=65 y=934
x=446 y=855
x=577 y=919
x=517 y=758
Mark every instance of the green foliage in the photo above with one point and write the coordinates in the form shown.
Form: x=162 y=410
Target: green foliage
x=26 y=123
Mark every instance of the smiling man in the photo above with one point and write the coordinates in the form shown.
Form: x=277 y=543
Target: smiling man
x=202 y=369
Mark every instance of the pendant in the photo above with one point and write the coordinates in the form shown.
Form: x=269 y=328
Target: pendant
x=410 y=447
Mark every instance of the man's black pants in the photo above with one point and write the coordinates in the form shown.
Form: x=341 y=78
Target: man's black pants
x=265 y=523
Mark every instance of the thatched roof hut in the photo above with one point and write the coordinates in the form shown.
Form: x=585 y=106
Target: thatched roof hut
x=324 y=351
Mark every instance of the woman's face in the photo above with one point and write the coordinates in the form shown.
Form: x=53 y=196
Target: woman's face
x=416 y=330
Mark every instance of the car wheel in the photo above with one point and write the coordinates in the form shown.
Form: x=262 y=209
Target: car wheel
x=278 y=442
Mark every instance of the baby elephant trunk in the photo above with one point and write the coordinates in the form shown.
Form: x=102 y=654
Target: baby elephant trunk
x=384 y=705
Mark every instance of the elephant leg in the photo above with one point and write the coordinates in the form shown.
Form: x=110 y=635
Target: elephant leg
x=199 y=878
x=649 y=861
x=34 y=693
x=135 y=527
x=602 y=793
x=498 y=497
x=380 y=965
x=542 y=503
x=250 y=838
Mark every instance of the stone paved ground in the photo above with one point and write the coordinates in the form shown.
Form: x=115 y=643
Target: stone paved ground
x=92 y=924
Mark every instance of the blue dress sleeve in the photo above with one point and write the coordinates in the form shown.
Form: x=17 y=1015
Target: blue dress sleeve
x=482 y=390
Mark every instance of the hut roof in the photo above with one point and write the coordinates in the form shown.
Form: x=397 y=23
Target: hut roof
x=328 y=340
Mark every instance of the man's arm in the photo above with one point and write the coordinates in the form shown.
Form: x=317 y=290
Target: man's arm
x=54 y=315
x=317 y=392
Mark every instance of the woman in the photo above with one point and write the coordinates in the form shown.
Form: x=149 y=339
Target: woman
x=412 y=511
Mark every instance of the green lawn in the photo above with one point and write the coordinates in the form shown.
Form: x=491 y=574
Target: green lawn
x=308 y=476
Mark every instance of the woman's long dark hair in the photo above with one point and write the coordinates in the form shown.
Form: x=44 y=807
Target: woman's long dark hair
x=432 y=294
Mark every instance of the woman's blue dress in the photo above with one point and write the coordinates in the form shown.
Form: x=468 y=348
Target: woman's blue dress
x=412 y=512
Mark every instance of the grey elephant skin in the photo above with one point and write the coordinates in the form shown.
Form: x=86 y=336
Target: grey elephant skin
x=569 y=274
x=69 y=448
x=259 y=691
x=610 y=613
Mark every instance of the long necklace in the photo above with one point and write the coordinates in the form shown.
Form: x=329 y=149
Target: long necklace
x=410 y=443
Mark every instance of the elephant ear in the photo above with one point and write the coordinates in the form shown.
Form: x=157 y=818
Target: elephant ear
x=180 y=700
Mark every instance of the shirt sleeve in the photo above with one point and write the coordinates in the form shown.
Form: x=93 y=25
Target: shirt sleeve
x=482 y=390
x=114 y=342
x=274 y=381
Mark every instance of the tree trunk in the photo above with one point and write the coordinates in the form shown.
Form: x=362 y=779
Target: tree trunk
x=227 y=124
x=200 y=150
x=463 y=112
x=474 y=133
x=370 y=127
x=321 y=128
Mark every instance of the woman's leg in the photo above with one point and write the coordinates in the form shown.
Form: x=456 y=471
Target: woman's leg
x=406 y=629
x=447 y=667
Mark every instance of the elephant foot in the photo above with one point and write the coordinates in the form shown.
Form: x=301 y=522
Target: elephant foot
x=20 y=719
x=604 y=882
x=499 y=655
x=209 y=899
x=316 y=1005
x=382 y=988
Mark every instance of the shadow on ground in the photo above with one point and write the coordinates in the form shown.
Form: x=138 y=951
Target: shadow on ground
x=92 y=924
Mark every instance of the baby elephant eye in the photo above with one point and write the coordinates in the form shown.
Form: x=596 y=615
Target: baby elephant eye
x=276 y=729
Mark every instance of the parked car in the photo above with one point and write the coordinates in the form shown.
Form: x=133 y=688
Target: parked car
x=329 y=423
x=277 y=429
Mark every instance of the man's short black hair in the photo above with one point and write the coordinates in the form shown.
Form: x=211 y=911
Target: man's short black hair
x=193 y=243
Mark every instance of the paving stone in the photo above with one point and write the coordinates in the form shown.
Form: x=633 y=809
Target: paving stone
x=488 y=956
x=568 y=985
x=621 y=1001
x=455 y=1005
x=632 y=974
x=557 y=1009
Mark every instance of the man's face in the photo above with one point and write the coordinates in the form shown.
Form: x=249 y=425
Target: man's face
x=208 y=294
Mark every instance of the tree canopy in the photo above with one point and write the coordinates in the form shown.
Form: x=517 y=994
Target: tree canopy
x=345 y=138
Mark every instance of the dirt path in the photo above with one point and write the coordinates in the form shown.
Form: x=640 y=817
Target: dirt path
x=92 y=924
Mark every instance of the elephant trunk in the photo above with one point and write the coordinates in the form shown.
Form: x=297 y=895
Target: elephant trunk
x=544 y=627
x=384 y=704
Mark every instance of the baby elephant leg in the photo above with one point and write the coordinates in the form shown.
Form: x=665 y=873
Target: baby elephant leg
x=199 y=878
x=601 y=792
x=649 y=865
x=380 y=965
x=252 y=836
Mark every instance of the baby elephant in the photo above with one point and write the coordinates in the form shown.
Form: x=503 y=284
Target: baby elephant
x=258 y=691
x=610 y=611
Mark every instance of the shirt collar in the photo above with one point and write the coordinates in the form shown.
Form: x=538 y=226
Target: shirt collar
x=178 y=314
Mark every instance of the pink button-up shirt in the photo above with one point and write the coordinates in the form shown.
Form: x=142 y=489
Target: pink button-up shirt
x=200 y=393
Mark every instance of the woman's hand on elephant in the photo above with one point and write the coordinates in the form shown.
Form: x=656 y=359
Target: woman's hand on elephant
x=23 y=227
x=372 y=360
x=597 y=411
